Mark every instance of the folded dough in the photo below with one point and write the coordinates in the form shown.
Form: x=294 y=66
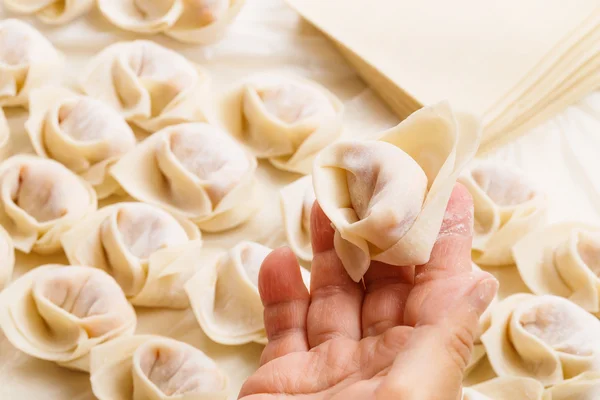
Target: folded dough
x=224 y=295
x=27 y=60
x=505 y=388
x=148 y=367
x=51 y=11
x=4 y=130
x=583 y=387
x=285 y=119
x=563 y=260
x=507 y=207
x=297 y=200
x=195 y=171
x=7 y=257
x=547 y=338
x=189 y=21
x=58 y=313
x=39 y=200
x=152 y=86
x=387 y=198
x=149 y=252
x=80 y=132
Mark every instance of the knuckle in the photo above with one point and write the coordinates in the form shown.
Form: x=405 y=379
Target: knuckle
x=459 y=346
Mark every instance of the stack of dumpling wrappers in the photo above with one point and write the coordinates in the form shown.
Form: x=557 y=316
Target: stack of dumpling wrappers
x=515 y=63
x=168 y=255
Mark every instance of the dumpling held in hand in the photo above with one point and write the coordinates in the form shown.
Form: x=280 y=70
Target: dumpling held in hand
x=149 y=252
x=195 y=171
x=285 y=119
x=27 y=60
x=59 y=313
x=157 y=368
x=40 y=199
x=80 y=132
x=387 y=198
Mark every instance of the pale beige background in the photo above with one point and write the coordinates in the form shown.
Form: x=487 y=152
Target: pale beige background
x=561 y=156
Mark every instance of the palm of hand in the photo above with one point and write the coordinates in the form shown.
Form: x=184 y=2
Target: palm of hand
x=390 y=336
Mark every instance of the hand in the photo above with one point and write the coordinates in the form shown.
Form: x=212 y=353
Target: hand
x=404 y=333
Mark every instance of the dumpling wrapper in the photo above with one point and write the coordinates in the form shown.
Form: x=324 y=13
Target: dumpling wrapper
x=195 y=171
x=224 y=295
x=563 y=260
x=7 y=257
x=547 y=338
x=505 y=388
x=152 y=86
x=80 y=132
x=387 y=198
x=51 y=11
x=583 y=387
x=148 y=367
x=59 y=313
x=4 y=130
x=297 y=200
x=40 y=199
x=149 y=252
x=507 y=207
x=188 y=21
x=283 y=118
x=27 y=60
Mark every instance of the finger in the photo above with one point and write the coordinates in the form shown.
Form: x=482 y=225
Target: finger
x=286 y=300
x=386 y=292
x=437 y=353
x=336 y=299
x=451 y=254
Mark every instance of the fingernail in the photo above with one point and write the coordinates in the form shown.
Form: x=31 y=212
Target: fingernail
x=482 y=295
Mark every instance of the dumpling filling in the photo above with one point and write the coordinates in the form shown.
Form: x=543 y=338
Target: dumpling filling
x=291 y=103
x=211 y=157
x=588 y=247
x=504 y=186
x=48 y=192
x=563 y=327
x=178 y=369
x=145 y=230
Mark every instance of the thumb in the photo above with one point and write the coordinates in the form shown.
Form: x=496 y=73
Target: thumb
x=431 y=365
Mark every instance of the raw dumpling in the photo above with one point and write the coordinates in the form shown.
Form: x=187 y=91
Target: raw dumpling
x=287 y=120
x=51 y=11
x=80 y=132
x=27 y=60
x=224 y=295
x=583 y=387
x=297 y=200
x=39 y=200
x=152 y=86
x=7 y=257
x=4 y=130
x=195 y=171
x=189 y=21
x=59 y=313
x=505 y=388
x=547 y=338
x=507 y=207
x=149 y=252
x=563 y=260
x=146 y=367
x=387 y=198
